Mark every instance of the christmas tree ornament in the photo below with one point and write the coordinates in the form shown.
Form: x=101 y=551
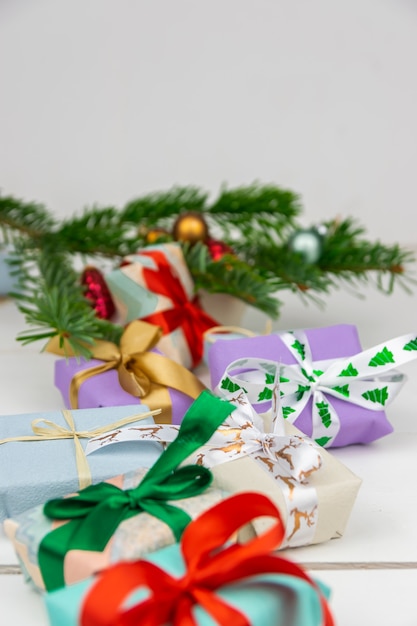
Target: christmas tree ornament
x=191 y=227
x=308 y=242
x=156 y=234
x=218 y=249
x=98 y=293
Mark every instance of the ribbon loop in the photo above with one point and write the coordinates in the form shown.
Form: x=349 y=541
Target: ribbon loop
x=142 y=373
x=368 y=379
x=210 y=565
x=97 y=511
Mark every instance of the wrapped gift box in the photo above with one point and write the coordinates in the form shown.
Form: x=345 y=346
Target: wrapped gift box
x=104 y=389
x=155 y=285
x=32 y=472
x=70 y=538
x=132 y=371
x=223 y=333
x=329 y=388
x=269 y=591
x=314 y=491
x=314 y=510
x=134 y=538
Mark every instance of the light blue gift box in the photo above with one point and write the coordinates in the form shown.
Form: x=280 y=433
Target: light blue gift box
x=32 y=472
x=211 y=338
x=7 y=281
x=266 y=601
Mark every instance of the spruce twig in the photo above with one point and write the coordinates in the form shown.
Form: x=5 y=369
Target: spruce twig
x=256 y=221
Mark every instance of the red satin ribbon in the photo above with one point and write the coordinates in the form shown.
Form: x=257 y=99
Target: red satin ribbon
x=185 y=313
x=209 y=566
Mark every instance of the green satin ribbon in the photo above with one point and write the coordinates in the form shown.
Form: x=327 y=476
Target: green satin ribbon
x=95 y=512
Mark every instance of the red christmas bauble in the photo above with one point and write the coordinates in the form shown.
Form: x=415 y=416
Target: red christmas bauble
x=218 y=249
x=98 y=292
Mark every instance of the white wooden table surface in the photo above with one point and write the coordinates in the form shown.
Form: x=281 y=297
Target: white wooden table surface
x=372 y=569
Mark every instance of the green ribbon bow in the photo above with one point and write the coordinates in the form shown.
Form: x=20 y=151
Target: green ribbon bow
x=95 y=512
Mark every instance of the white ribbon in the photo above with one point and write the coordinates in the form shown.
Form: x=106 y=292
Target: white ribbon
x=367 y=379
x=289 y=460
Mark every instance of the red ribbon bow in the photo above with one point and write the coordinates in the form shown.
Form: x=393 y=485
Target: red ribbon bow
x=185 y=313
x=209 y=566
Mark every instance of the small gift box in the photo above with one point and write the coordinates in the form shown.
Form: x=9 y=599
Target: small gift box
x=70 y=538
x=42 y=454
x=205 y=578
x=327 y=387
x=223 y=333
x=314 y=491
x=155 y=285
x=7 y=281
x=134 y=370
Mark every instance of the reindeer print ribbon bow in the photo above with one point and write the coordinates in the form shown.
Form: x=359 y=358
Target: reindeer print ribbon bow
x=289 y=460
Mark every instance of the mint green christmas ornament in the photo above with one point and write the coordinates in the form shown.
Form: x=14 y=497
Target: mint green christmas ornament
x=308 y=242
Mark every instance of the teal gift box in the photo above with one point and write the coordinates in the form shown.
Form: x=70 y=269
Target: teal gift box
x=206 y=576
x=39 y=453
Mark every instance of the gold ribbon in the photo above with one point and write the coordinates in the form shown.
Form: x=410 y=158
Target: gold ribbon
x=238 y=330
x=143 y=374
x=52 y=430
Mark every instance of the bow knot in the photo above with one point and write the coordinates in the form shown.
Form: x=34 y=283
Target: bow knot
x=246 y=433
x=142 y=381
x=268 y=441
x=315 y=386
x=133 y=501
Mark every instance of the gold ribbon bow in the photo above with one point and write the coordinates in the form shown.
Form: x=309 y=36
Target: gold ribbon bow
x=143 y=374
x=51 y=430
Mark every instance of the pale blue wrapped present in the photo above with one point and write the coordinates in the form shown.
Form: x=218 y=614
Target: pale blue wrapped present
x=267 y=600
x=34 y=471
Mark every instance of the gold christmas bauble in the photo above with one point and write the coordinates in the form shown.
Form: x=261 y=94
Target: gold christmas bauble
x=190 y=227
x=154 y=235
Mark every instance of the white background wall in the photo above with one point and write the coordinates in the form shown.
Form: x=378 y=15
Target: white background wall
x=103 y=100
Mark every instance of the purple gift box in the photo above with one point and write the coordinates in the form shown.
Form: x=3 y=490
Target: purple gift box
x=104 y=390
x=358 y=424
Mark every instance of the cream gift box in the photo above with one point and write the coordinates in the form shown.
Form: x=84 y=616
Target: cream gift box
x=314 y=491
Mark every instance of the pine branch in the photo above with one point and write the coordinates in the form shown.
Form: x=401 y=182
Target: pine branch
x=156 y=208
x=100 y=232
x=255 y=200
x=26 y=218
x=229 y=275
x=349 y=256
x=51 y=298
x=256 y=221
x=247 y=215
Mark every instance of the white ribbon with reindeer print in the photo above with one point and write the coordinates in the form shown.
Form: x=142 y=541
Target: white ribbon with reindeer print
x=367 y=379
x=288 y=459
